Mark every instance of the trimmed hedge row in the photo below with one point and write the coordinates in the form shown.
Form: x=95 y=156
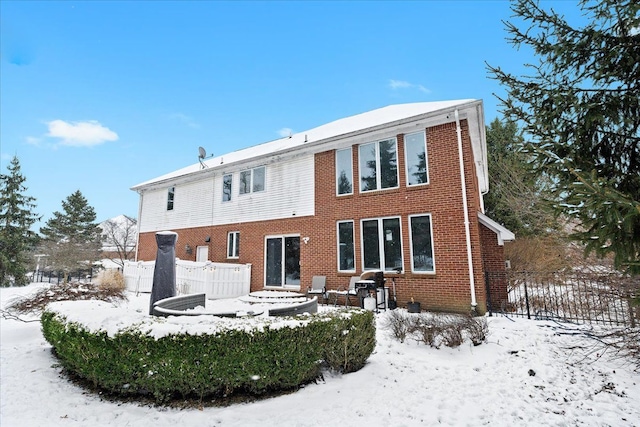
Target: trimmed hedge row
x=253 y=361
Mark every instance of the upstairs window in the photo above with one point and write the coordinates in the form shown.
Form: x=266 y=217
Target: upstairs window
x=233 y=244
x=344 y=172
x=227 y=181
x=170 y=196
x=378 y=165
x=252 y=180
x=415 y=148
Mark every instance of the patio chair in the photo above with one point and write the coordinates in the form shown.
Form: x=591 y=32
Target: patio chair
x=318 y=287
x=351 y=291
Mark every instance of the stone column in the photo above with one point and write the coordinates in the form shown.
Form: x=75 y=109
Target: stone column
x=164 y=274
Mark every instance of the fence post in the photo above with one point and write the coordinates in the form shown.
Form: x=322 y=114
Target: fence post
x=487 y=285
x=526 y=295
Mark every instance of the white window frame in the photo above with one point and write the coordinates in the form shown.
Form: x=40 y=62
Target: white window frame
x=406 y=161
x=283 y=267
x=378 y=169
x=171 y=197
x=338 y=171
x=230 y=189
x=381 y=234
x=252 y=189
x=353 y=243
x=233 y=245
x=433 y=256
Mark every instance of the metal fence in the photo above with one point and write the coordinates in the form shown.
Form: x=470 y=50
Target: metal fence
x=573 y=297
x=50 y=276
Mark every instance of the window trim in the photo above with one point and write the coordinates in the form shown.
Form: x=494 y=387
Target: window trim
x=351 y=177
x=433 y=255
x=230 y=188
x=406 y=161
x=171 y=197
x=378 y=174
x=380 y=221
x=236 y=245
x=353 y=242
x=252 y=180
x=290 y=287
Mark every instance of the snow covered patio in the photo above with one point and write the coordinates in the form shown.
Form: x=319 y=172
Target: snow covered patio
x=412 y=384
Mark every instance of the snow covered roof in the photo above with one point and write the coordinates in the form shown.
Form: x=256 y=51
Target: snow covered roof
x=344 y=126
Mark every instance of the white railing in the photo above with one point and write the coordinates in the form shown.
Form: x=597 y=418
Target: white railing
x=217 y=280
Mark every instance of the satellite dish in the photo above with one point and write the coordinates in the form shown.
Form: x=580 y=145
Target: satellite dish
x=201 y=155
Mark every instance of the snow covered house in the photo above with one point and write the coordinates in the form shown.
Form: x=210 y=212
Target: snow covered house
x=397 y=187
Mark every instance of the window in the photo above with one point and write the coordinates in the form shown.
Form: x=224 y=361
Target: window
x=421 y=244
x=252 y=180
x=415 y=149
x=381 y=244
x=344 y=172
x=227 y=180
x=233 y=244
x=170 y=196
x=346 y=255
x=378 y=165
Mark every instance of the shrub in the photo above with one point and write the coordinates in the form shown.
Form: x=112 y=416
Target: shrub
x=437 y=329
x=398 y=322
x=260 y=357
x=477 y=329
x=111 y=280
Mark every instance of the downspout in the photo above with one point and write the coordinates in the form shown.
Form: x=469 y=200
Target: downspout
x=139 y=222
x=465 y=207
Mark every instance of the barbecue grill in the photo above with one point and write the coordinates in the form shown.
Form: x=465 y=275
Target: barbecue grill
x=369 y=283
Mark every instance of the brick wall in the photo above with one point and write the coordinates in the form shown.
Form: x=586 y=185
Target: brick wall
x=447 y=289
x=493 y=262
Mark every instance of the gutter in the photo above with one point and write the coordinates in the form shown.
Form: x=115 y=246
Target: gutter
x=465 y=207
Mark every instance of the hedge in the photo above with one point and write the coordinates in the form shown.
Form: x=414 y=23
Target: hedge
x=268 y=356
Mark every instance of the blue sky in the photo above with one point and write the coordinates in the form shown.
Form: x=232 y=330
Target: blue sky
x=100 y=96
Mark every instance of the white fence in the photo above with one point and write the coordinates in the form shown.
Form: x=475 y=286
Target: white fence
x=217 y=280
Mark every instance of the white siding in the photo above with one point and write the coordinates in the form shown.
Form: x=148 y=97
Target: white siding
x=289 y=191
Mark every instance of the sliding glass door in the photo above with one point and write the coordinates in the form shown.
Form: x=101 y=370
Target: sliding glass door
x=282 y=261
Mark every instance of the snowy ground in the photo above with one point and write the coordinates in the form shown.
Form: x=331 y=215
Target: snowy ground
x=403 y=384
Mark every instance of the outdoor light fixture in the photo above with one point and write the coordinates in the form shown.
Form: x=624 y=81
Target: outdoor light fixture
x=188 y=249
x=207 y=239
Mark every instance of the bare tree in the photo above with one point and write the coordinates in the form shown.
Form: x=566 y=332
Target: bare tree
x=119 y=236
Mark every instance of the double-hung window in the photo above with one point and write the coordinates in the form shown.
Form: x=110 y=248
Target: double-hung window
x=170 y=196
x=233 y=244
x=252 y=180
x=381 y=244
x=415 y=149
x=421 y=244
x=378 y=164
x=344 y=172
x=346 y=247
x=227 y=181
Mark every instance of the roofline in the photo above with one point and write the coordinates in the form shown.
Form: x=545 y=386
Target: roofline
x=503 y=234
x=210 y=169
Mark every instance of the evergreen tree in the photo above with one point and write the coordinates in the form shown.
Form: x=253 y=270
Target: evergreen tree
x=72 y=240
x=16 y=217
x=516 y=197
x=580 y=105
